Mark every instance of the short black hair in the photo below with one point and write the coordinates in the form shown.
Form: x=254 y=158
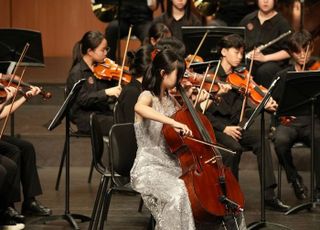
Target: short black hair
x=299 y=40
x=230 y=41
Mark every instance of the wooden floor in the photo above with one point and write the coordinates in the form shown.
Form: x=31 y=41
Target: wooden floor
x=123 y=211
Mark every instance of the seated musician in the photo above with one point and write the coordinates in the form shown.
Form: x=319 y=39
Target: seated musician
x=297 y=129
x=225 y=118
x=95 y=95
x=139 y=61
x=178 y=14
x=157 y=31
x=138 y=13
x=155 y=173
x=22 y=153
x=262 y=26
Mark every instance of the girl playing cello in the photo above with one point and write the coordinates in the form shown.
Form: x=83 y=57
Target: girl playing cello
x=155 y=173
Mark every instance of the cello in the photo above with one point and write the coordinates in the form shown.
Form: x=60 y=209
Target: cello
x=213 y=190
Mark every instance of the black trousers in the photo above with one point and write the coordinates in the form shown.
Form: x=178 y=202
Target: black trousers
x=286 y=137
x=23 y=154
x=112 y=33
x=8 y=175
x=250 y=141
x=264 y=73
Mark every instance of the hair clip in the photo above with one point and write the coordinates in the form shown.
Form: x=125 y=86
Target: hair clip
x=154 y=53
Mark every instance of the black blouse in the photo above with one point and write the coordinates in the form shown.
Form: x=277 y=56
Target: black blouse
x=257 y=34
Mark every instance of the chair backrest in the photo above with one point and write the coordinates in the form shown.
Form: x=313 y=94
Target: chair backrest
x=122 y=148
x=97 y=143
x=116 y=118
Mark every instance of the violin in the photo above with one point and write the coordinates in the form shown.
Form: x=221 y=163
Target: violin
x=196 y=79
x=5 y=81
x=315 y=65
x=255 y=92
x=109 y=70
x=3 y=93
x=210 y=185
x=193 y=58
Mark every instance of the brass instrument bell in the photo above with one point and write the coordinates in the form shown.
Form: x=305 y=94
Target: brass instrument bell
x=206 y=7
x=104 y=10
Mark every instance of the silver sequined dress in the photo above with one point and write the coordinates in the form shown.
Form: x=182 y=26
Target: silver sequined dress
x=155 y=173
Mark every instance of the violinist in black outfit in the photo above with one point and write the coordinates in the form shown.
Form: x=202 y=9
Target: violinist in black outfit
x=297 y=129
x=139 y=61
x=23 y=155
x=96 y=95
x=225 y=117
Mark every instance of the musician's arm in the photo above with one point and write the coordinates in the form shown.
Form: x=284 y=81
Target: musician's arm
x=277 y=56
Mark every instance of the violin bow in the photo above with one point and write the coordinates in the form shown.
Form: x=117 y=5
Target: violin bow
x=198 y=48
x=201 y=85
x=244 y=102
x=125 y=55
x=305 y=57
x=211 y=86
x=26 y=47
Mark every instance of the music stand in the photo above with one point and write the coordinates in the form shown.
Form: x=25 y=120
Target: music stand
x=192 y=36
x=64 y=112
x=259 y=110
x=303 y=89
x=12 y=42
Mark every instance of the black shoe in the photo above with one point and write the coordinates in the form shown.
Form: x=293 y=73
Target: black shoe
x=7 y=222
x=34 y=208
x=16 y=216
x=299 y=189
x=276 y=205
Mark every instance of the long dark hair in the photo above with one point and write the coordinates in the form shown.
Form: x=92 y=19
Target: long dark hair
x=158 y=30
x=90 y=40
x=166 y=60
x=139 y=60
x=187 y=9
x=300 y=40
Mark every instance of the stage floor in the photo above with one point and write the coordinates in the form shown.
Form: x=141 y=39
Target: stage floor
x=123 y=212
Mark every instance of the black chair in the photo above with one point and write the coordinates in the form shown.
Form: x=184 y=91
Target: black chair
x=122 y=151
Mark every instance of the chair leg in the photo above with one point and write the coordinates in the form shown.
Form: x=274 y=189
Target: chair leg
x=152 y=223
x=90 y=173
x=279 y=180
x=140 y=205
x=105 y=207
x=63 y=157
x=98 y=205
